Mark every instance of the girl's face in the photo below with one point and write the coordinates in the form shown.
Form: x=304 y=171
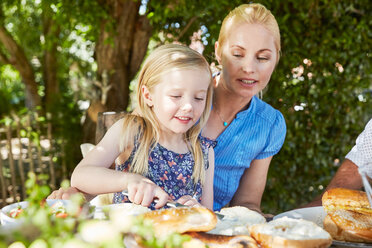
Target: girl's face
x=248 y=58
x=179 y=99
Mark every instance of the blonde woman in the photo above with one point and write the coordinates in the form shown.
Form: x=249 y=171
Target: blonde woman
x=167 y=158
x=248 y=131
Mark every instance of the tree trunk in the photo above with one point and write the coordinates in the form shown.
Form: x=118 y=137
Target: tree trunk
x=18 y=59
x=51 y=32
x=120 y=51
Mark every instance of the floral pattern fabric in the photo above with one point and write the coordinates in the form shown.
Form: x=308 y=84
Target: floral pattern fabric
x=171 y=171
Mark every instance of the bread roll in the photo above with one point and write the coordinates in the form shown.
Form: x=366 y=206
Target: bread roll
x=350 y=226
x=287 y=232
x=181 y=220
x=349 y=216
x=200 y=239
x=346 y=199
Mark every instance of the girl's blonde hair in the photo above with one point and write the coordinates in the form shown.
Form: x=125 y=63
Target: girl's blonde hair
x=253 y=13
x=145 y=127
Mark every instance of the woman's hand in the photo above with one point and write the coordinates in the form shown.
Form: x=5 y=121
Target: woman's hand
x=188 y=201
x=63 y=193
x=142 y=191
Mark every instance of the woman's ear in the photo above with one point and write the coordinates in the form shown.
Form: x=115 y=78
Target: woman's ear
x=217 y=50
x=147 y=96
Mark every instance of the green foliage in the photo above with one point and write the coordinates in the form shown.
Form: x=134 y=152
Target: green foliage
x=11 y=90
x=66 y=123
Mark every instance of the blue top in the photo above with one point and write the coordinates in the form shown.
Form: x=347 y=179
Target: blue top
x=169 y=170
x=256 y=133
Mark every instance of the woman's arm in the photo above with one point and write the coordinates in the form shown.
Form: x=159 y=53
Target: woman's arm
x=207 y=196
x=252 y=185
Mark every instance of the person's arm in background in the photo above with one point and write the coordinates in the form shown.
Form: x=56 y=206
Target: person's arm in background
x=347 y=176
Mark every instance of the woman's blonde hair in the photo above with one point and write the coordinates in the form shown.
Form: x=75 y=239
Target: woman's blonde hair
x=253 y=13
x=145 y=126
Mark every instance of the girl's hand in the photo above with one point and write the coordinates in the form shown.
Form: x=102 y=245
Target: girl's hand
x=188 y=201
x=63 y=193
x=142 y=191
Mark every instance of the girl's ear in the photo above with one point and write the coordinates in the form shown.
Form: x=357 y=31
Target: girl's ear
x=147 y=96
x=218 y=56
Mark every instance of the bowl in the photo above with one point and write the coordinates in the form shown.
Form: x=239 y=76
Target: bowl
x=7 y=220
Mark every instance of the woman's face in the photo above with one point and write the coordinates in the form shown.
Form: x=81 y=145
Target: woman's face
x=248 y=57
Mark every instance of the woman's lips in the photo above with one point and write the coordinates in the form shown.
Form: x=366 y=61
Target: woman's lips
x=248 y=81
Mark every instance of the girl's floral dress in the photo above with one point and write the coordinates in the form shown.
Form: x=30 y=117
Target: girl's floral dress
x=171 y=171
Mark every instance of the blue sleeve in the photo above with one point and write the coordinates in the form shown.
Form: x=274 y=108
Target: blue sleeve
x=275 y=138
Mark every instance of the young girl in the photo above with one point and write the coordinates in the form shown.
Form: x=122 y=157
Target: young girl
x=162 y=154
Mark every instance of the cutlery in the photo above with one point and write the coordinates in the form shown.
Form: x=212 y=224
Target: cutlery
x=173 y=204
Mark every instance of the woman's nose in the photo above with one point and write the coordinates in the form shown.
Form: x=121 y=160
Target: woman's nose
x=248 y=65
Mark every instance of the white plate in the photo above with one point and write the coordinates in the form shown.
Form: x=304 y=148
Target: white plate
x=7 y=220
x=314 y=214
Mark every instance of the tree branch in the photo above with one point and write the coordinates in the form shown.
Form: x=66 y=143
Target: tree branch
x=18 y=59
x=183 y=31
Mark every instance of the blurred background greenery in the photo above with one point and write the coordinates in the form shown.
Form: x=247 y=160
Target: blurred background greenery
x=74 y=59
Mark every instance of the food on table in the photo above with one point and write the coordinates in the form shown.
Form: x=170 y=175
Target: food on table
x=59 y=210
x=181 y=220
x=347 y=199
x=15 y=212
x=127 y=209
x=236 y=221
x=121 y=215
x=349 y=216
x=201 y=239
x=288 y=232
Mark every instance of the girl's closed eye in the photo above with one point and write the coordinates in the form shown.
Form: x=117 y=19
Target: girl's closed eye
x=175 y=96
x=200 y=96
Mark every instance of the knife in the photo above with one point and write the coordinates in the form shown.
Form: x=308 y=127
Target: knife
x=173 y=204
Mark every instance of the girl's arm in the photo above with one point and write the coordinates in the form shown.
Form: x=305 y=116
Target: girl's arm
x=252 y=185
x=93 y=175
x=207 y=196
